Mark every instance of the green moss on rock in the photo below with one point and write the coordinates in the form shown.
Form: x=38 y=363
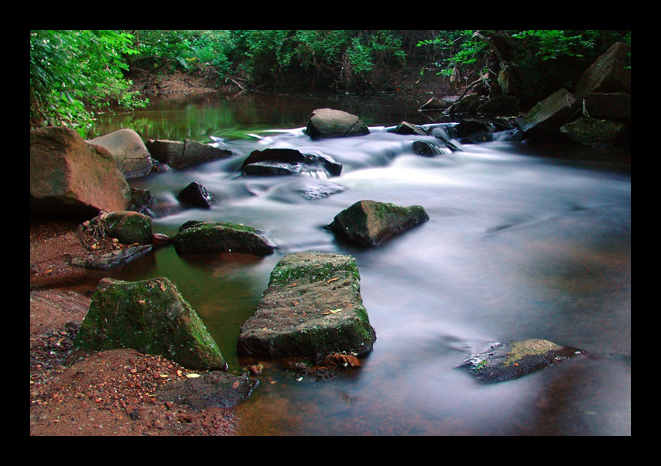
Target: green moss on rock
x=311 y=307
x=513 y=359
x=152 y=317
x=369 y=223
x=127 y=226
x=211 y=237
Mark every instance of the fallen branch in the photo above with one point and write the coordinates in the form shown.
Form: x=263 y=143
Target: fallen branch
x=450 y=110
x=234 y=81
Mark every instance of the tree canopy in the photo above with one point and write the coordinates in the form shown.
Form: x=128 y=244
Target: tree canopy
x=74 y=73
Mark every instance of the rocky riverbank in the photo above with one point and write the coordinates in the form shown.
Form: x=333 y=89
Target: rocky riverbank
x=103 y=393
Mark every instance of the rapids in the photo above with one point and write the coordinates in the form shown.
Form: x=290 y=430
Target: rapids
x=522 y=242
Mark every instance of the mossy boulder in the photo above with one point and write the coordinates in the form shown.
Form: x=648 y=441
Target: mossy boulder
x=311 y=308
x=127 y=226
x=594 y=132
x=513 y=359
x=369 y=223
x=211 y=237
x=152 y=317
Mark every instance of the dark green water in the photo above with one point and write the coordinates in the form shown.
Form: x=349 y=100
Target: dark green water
x=522 y=243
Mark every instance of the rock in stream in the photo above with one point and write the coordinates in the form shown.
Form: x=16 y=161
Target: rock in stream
x=312 y=307
x=512 y=359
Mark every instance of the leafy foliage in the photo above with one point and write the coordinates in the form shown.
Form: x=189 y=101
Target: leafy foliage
x=455 y=49
x=344 y=59
x=73 y=73
x=542 y=59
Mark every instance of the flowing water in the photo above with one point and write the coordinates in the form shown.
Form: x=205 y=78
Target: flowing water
x=521 y=243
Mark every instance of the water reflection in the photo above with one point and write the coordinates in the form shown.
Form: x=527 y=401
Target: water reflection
x=519 y=245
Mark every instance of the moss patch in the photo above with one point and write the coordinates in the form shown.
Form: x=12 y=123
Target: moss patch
x=152 y=317
x=533 y=347
x=513 y=359
x=369 y=223
x=311 y=307
x=210 y=237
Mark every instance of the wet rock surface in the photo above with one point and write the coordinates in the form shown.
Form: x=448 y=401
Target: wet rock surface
x=112 y=259
x=212 y=389
x=273 y=162
x=369 y=223
x=311 y=307
x=210 y=237
x=181 y=155
x=196 y=195
x=512 y=359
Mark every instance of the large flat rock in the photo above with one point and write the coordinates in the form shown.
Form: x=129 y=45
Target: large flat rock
x=311 y=308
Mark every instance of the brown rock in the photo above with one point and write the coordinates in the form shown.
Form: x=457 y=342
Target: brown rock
x=71 y=178
x=609 y=73
x=129 y=151
x=331 y=123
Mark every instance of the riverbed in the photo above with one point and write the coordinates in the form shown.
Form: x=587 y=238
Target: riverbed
x=522 y=242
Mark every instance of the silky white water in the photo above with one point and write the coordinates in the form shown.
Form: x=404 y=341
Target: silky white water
x=522 y=242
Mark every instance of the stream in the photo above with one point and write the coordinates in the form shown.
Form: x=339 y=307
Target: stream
x=522 y=242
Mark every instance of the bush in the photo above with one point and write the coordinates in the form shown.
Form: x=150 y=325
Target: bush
x=73 y=73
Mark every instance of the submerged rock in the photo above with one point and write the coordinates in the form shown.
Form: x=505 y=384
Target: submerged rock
x=112 y=258
x=369 y=223
x=213 y=389
x=211 y=237
x=428 y=149
x=152 y=317
x=312 y=307
x=513 y=359
x=408 y=128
